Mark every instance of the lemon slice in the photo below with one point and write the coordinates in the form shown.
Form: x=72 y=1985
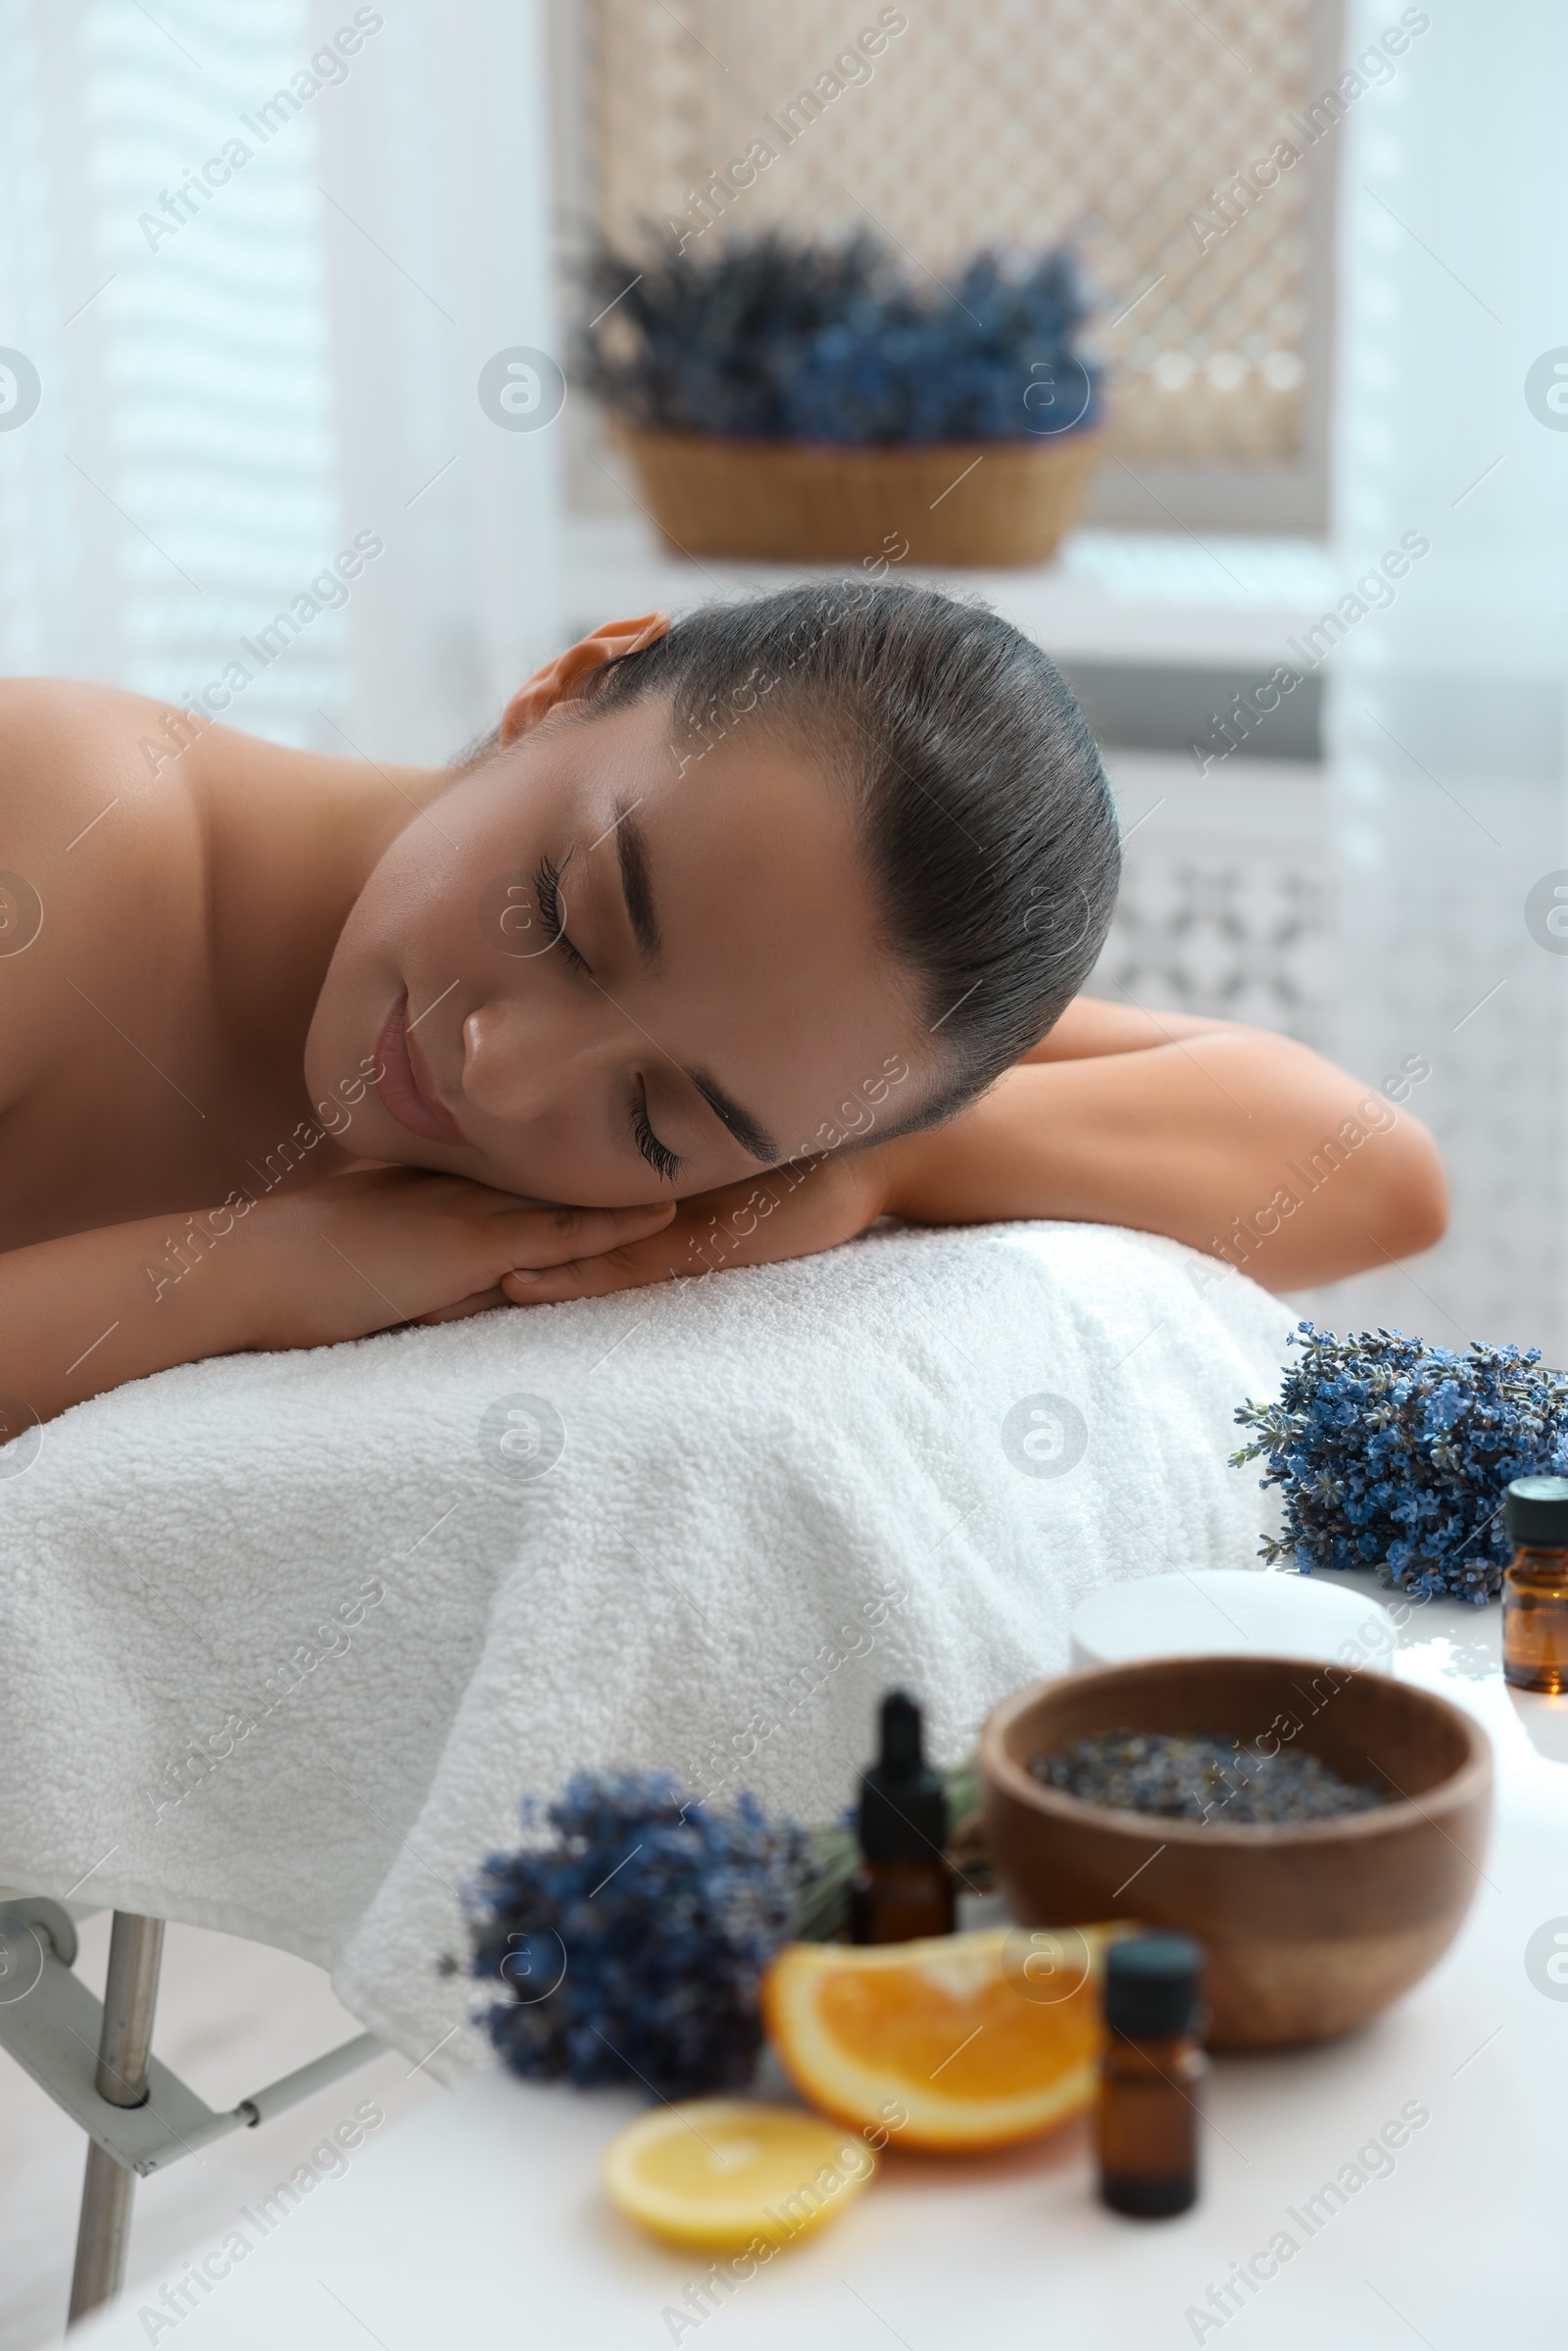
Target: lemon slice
x=722 y=2173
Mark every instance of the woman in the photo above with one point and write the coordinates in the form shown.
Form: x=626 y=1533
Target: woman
x=736 y=936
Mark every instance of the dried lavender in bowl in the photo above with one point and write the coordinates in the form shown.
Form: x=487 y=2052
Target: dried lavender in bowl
x=1396 y=1456
x=1195 y=1776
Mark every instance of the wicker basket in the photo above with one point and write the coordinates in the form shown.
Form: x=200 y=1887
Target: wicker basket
x=986 y=503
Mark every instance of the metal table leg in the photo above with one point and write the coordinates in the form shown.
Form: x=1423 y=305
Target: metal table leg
x=130 y=1996
x=137 y=2115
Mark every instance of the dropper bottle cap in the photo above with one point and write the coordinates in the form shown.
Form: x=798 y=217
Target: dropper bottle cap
x=1536 y=1512
x=903 y=1804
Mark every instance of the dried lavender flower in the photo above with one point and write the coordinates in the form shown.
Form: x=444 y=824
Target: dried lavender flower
x=632 y=1940
x=1195 y=1775
x=785 y=337
x=1397 y=1455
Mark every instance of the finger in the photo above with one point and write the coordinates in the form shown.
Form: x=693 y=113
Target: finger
x=583 y=1277
x=540 y=1238
x=480 y=1302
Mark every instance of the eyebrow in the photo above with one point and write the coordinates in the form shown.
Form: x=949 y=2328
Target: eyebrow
x=636 y=880
x=742 y=1125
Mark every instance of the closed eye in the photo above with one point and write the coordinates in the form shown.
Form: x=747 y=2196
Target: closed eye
x=547 y=891
x=666 y=1163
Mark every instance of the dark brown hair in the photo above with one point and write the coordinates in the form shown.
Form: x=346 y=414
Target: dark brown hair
x=988 y=825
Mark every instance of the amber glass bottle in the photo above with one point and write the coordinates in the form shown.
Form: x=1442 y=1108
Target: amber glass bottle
x=1535 y=1585
x=903 y=1887
x=1151 y=2076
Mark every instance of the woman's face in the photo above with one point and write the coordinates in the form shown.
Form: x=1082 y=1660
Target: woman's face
x=590 y=975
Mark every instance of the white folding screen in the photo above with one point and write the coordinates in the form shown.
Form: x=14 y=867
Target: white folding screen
x=253 y=262
x=439 y=239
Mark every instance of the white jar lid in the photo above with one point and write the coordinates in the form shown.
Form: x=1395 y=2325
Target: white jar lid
x=1232 y=1613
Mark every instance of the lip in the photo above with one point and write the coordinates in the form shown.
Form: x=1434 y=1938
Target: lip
x=406 y=1086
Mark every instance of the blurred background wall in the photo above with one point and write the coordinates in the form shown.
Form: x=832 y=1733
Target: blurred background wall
x=231 y=376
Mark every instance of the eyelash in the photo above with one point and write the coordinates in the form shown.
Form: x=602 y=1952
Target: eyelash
x=666 y=1163
x=546 y=890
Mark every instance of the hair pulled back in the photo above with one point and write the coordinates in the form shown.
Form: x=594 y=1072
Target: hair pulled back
x=983 y=810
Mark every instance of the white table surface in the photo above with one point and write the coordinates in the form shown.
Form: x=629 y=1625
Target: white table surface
x=478 y=2218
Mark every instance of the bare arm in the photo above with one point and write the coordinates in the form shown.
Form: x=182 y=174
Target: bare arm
x=1237 y=1142
x=360 y=1253
x=1231 y=1139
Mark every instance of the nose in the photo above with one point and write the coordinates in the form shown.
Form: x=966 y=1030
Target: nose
x=519 y=1062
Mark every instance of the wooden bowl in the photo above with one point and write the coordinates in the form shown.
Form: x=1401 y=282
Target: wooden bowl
x=1309 y=1929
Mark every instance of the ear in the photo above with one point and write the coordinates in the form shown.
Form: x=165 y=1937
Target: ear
x=553 y=683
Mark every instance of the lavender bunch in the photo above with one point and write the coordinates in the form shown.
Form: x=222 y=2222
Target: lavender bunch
x=1395 y=1455
x=631 y=1946
x=781 y=337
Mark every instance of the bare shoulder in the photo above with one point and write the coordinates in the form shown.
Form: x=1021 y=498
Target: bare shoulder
x=71 y=754
x=100 y=847
x=1091 y=1028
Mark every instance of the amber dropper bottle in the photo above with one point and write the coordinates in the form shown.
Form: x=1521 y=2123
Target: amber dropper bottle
x=1151 y=2076
x=1535 y=1585
x=903 y=1887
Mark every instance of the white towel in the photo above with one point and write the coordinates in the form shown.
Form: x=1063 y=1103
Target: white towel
x=284 y=1639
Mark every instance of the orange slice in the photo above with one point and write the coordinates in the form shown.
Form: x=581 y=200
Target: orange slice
x=955 y=2042
x=724 y=2172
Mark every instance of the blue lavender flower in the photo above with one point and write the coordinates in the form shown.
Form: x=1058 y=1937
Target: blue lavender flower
x=632 y=1946
x=792 y=340
x=1397 y=1455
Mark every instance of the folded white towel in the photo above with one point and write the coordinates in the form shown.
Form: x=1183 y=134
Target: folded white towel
x=284 y=1638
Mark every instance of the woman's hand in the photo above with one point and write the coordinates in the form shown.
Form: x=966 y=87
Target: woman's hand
x=790 y=1212
x=364 y=1252
x=361 y=1252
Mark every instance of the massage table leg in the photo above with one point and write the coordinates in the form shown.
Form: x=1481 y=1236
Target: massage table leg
x=130 y=1996
x=138 y=2116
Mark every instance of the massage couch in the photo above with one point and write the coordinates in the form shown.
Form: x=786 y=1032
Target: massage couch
x=284 y=1638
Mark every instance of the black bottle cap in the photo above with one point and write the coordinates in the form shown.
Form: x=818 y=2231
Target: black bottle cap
x=1152 y=1985
x=1538 y=1511
x=903 y=1804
